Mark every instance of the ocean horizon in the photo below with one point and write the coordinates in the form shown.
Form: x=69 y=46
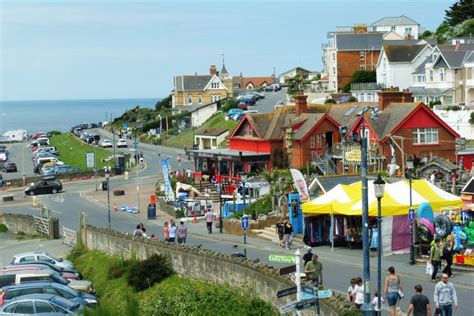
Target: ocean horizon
x=47 y=115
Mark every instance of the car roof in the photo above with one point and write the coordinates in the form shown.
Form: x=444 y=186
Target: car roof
x=29 y=253
x=28 y=285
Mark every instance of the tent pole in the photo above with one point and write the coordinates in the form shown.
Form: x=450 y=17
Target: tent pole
x=332 y=232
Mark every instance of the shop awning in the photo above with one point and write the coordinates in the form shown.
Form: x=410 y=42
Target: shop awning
x=347 y=199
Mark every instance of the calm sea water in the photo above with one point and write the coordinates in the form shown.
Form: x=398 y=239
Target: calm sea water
x=61 y=115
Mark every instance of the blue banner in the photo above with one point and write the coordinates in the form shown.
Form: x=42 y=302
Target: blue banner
x=165 y=169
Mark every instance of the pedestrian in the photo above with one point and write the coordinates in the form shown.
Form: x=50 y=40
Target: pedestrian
x=138 y=231
x=153 y=237
x=350 y=297
x=280 y=229
x=287 y=238
x=435 y=258
x=172 y=232
x=166 y=231
x=308 y=255
x=209 y=219
x=144 y=235
x=448 y=255
x=375 y=302
x=182 y=233
x=314 y=271
x=419 y=303
x=392 y=290
x=358 y=293
x=445 y=296
x=433 y=177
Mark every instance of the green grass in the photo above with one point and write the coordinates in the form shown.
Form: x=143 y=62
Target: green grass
x=73 y=152
x=185 y=139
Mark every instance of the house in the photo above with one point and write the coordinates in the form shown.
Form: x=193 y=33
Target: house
x=202 y=89
x=397 y=63
x=210 y=138
x=458 y=120
x=252 y=83
x=293 y=72
x=401 y=25
x=366 y=91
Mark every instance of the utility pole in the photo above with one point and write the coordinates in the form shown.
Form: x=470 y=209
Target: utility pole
x=137 y=160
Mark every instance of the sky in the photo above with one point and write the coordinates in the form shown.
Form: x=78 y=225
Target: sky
x=132 y=49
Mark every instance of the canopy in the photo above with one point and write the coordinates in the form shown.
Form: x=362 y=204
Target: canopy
x=347 y=199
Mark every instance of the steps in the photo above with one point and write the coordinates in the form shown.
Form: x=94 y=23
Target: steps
x=213 y=196
x=268 y=233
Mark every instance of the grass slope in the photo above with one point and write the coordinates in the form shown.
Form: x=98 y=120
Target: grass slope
x=73 y=152
x=185 y=139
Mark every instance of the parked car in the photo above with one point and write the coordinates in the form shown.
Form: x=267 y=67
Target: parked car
x=41 y=256
x=48 y=265
x=66 y=169
x=105 y=143
x=242 y=106
x=39 y=135
x=66 y=275
x=8 y=166
x=45 y=186
x=10 y=292
x=122 y=143
x=40 y=304
x=233 y=112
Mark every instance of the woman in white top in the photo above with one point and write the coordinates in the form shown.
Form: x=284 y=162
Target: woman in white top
x=358 y=293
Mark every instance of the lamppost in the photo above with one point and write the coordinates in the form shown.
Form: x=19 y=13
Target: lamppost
x=366 y=308
x=410 y=167
x=219 y=159
x=243 y=178
x=23 y=175
x=107 y=171
x=379 y=188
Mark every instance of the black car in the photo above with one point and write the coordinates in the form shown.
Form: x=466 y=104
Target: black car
x=8 y=166
x=45 y=186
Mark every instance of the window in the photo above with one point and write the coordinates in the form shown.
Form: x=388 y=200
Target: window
x=408 y=32
x=362 y=67
x=333 y=56
x=362 y=55
x=320 y=141
x=431 y=75
x=333 y=70
x=215 y=85
x=392 y=28
x=425 y=136
x=448 y=100
x=24 y=308
x=190 y=99
x=28 y=258
x=199 y=99
x=442 y=74
x=312 y=141
x=43 y=307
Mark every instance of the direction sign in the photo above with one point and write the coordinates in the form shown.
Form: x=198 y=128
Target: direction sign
x=286 y=292
x=288 y=307
x=136 y=142
x=308 y=289
x=90 y=160
x=287 y=270
x=321 y=294
x=305 y=303
x=282 y=259
x=411 y=214
x=245 y=223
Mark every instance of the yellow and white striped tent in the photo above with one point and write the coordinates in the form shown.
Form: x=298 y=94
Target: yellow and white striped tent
x=347 y=199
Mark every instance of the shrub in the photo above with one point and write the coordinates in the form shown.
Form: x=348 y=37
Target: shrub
x=76 y=252
x=117 y=269
x=3 y=228
x=52 y=133
x=229 y=104
x=330 y=101
x=144 y=274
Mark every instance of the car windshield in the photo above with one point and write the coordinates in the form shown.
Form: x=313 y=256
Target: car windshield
x=59 y=279
x=54 y=257
x=65 y=303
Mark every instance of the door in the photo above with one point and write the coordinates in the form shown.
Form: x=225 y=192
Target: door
x=328 y=140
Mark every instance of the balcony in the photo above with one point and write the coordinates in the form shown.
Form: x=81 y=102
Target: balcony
x=367 y=86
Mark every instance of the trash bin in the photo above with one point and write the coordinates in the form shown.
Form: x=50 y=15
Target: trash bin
x=151 y=211
x=104 y=185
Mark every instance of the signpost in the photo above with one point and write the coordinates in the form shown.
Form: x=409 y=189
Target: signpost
x=286 y=292
x=288 y=307
x=282 y=259
x=305 y=304
x=90 y=160
x=287 y=270
x=245 y=226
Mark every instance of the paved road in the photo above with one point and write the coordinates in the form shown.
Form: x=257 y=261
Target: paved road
x=19 y=153
x=268 y=103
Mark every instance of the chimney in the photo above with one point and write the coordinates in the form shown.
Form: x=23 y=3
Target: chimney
x=392 y=95
x=407 y=96
x=300 y=104
x=213 y=70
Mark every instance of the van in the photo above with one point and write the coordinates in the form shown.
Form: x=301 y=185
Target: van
x=22 y=276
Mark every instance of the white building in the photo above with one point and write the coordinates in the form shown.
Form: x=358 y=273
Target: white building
x=293 y=72
x=402 y=25
x=210 y=138
x=458 y=120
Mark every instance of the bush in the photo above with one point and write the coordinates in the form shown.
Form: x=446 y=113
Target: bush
x=144 y=274
x=330 y=101
x=117 y=269
x=3 y=228
x=229 y=104
x=52 y=133
x=76 y=252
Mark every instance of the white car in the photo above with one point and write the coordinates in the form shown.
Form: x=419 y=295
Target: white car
x=121 y=143
x=105 y=143
x=41 y=256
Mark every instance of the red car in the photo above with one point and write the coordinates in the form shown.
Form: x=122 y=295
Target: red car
x=242 y=106
x=8 y=166
x=39 y=135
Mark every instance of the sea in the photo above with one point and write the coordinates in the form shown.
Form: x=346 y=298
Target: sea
x=61 y=115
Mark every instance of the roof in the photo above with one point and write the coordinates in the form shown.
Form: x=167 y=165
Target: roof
x=391 y=116
x=358 y=41
x=227 y=152
x=309 y=121
x=402 y=53
x=296 y=68
x=223 y=71
x=469 y=187
x=257 y=81
x=192 y=83
x=428 y=91
x=340 y=97
x=212 y=131
x=397 y=20
x=461 y=47
x=402 y=42
x=346 y=114
x=469 y=58
x=454 y=59
x=440 y=163
x=420 y=70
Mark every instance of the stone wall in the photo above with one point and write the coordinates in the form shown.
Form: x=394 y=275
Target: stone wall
x=17 y=223
x=202 y=264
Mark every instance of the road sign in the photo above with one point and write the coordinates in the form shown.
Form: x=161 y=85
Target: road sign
x=136 y=142
x=282 y=259
x=286 y=292
x=287 y=270
x=90 y=160
x=245 y=223
x=411 y=214
x=308 y=289
x=288 y=307
x=305 y=304
x=321 y=294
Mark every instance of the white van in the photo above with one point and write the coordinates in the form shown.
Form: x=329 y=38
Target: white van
x=44 y=160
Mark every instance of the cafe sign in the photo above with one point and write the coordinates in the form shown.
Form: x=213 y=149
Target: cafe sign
x=353 y=155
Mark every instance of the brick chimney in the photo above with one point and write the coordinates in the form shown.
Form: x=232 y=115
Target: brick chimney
x=391 y=95
x=301 y=105
x=213 y=70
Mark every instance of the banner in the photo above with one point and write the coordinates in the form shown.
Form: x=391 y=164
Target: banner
x=165 y=169
x=300 y=184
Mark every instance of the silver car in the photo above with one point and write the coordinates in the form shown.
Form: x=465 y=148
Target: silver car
x=41 y=256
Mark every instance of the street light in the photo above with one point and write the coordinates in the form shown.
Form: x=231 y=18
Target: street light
x=107 y=171
x=243 y=178
x=410 y=167
x=219 y=159
x=379 y=188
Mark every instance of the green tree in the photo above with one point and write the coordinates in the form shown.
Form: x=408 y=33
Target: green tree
x=459 y=12
x=164 y=104
x=297 y=84
x=361 y=76
x=471 y=119
x=330 y=101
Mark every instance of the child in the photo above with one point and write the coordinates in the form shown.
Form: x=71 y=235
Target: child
x=375 y=302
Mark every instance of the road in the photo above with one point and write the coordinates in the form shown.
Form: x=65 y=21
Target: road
x=268 y=103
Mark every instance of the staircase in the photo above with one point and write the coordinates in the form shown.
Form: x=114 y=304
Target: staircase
x=324 y=164
x=269 y=233
x=214 y=195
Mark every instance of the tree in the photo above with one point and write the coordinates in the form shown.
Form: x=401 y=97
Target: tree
x=297 y=84
x=164 y=103
x=459 y=12
x=361 y=76
x=279 y=159
x=471 y=119
x=330 y=101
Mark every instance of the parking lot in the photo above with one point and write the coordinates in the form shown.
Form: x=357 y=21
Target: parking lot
x=19 y=153
x=268 y=103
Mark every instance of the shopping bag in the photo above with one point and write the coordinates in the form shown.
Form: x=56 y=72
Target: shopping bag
x=429 y=268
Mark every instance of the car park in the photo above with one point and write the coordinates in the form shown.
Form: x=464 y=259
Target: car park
x=22 y=267
x=8 y=166
x=48 y=265
x=10 y=292
x=122 y=143
x=40 y=304
x=42 y=256
x=44 y=186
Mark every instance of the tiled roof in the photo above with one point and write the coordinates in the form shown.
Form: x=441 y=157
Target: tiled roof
x=428 y=91
x=390 y=117
x=469 y=58
x=212 y=131
x=297 y=69
x=310 y=120
x=392 y=21
x=192 y=83
x=261 y=122
x=346 y=114
x=469 y=187
x=454 y=59
x=462 y=47
x=420 y=70
x=402 y=53
x=358 y=41
x=257 y=81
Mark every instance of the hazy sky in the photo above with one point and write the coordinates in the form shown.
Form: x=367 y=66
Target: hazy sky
x=131 y=49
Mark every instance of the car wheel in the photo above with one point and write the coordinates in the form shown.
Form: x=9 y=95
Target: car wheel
x=54 y=191
x=32 y=193
x=443 y=226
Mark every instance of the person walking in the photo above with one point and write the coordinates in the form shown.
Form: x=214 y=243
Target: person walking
x=308 y=255
x=288 y=232
x=182 y=233
x=419 y=303
x=209 y=219
x=280 y=230
x=392 y=290
x=314 y=271
x=172 y=232
x=358 y=293
x=445 y=296
x=435 y=258
x=166 y=231
x=448 y=255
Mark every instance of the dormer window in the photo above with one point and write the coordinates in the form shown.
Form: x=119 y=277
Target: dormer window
x=215 y=85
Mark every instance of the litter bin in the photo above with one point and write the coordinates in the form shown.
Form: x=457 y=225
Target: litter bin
x=104 y=185
x=151 y=211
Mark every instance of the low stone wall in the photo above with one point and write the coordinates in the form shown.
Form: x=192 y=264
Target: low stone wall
x=18 y=223
x=202 y=264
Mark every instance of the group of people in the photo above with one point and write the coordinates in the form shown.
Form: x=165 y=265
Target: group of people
x=284 y=229
x=171 y=232
x=441 y=251
x=444 y=296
